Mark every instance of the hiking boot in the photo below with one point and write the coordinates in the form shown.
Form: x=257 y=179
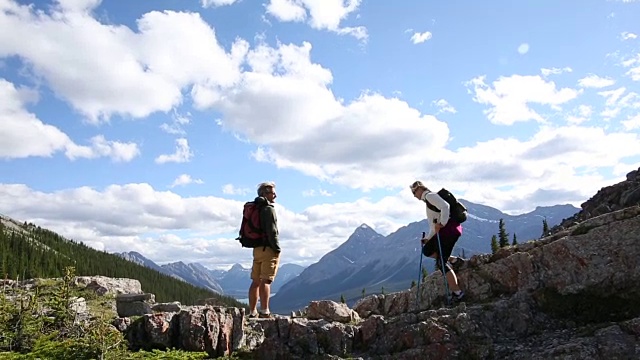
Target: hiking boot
x=456 y=263
x=252 y=316
x=457 y=297
x=265 y=316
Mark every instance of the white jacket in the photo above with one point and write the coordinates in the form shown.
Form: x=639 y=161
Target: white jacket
x=440 y=217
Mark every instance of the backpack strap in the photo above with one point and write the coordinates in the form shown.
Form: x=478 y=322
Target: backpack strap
x=431 y=206
x=261 y=208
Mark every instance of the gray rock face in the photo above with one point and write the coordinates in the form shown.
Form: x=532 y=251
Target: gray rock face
x=134 y=308
x=608 y=199
x=134 y=304
x=103 y=285
x=215 y=330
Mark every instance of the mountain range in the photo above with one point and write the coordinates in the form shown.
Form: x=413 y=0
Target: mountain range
x=233 y=282
x=369 y=262
x=366 y=262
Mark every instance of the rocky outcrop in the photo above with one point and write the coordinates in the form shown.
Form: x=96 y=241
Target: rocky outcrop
x=608 y=199
x=573 y=295
x=596 y=259
x=215 y=330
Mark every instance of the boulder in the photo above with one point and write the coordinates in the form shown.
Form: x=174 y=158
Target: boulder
x=103 y=285
x=167 y=307
x=134 y=304
x=331 y=311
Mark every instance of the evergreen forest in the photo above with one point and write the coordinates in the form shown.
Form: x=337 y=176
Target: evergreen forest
x=34 y=252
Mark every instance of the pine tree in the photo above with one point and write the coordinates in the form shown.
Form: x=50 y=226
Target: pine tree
x=342 y=300
x=382 y=290
x=363 y=292
x=424 y=273
x=514 y=242
x=494 y=244
x=503 y=236
x=413 y=284
x=545 y=228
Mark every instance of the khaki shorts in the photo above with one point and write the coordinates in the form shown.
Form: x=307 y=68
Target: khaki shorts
x=265 y=264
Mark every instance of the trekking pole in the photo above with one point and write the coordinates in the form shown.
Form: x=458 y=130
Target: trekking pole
x=444 y=274
x=420 y=269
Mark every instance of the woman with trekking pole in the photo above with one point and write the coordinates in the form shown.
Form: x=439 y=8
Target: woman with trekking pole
x=443 y=234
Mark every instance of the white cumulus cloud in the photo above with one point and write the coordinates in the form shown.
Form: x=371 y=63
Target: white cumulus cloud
x=633 y=66
x=124 y=72
x=176 y=126
x=633 y=123
x=418 y=38
x=100 y=147
x=595 y=81
x=216 y=3
x=444 y=106
x=24 y=135
x=182 y=154
x=580 y=114
x=185 y=179
x=321 y=15
x=509 y=97
x=618 y=100
x=555 y=71
x=167 y=227
x=230 y=189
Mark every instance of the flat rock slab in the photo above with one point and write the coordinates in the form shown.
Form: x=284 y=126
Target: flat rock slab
x=135 y=297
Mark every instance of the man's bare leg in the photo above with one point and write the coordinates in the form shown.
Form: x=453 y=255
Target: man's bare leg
x=253 y=297
x=265 y=293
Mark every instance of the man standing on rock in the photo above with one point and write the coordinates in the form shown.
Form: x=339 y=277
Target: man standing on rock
x=266 y=257
x=448 y=229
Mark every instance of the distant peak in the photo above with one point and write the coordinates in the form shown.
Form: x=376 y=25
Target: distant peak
x=364 y=228
x=236 y=267
x=176 y=263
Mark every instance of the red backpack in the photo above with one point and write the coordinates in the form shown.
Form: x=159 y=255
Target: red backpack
x=251 y=233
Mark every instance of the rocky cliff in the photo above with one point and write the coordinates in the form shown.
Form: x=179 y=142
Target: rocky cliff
x=611 y=198
x=572 y=295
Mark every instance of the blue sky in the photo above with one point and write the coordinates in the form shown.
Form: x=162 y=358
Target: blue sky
x=145 y=125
